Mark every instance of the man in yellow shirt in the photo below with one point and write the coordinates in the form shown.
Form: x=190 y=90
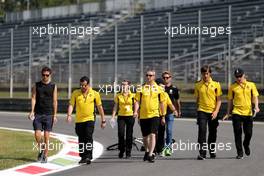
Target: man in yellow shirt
x=208 y=94
x=240 y=97
x=124 y=102
x=85 y=99
x=150 y=100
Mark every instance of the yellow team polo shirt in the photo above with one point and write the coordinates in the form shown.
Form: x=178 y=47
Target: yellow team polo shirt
x=166 y=103
x=85 y=105
x=242 y=97
x=125 y=104
x=206 y=94
x=148 y=99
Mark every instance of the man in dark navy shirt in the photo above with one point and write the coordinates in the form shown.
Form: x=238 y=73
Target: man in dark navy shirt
x=43 y=111
x=173 y=93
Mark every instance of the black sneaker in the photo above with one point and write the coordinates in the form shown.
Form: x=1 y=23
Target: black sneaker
x=151 y=158
x=121 y=154
x=128 y=155
x=146 y=156
x=83 y=161
x=44 y=159
x=247 y=150
x=239 y=157
x=212 y=155
x=88 y=161
x=40 y=156
x=155 y=156
x=200 y=157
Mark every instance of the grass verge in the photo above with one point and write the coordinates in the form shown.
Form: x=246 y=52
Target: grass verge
x=17 y=148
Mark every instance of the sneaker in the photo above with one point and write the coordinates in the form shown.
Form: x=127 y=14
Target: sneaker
x=247 y=150
x=212 y=155
x=145 y=158
x=162 y=154
x=44 y=159
x=151 y=158
x=200 y=157
x=239 y=157
x=168 y=152
x=128 y=155
x=40 y=156
x=155 y=156
x=83 y=161
x=121 y=155
x=88 y=161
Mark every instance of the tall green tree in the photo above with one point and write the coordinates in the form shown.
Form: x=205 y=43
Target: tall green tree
x=20 y=5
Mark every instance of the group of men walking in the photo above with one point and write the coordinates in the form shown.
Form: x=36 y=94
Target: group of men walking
x=241 y=94
x=155 y=105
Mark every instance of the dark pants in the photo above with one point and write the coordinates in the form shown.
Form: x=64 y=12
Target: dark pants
x=84 y=131
x=247 y=123
x=160 y=138
x=125 y=125
x=202 y=121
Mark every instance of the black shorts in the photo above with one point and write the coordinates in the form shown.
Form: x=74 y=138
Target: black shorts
x=43 y=122
x=149 y=126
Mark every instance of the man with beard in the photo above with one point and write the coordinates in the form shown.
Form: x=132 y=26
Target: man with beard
x=85 y=99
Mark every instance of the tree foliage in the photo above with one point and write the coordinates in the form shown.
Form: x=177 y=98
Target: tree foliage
x=20 y=5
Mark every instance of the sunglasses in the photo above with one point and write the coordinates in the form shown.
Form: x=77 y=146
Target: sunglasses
x=166 y=77
x=45 y=75
x=84 y=85
x=149 y=75
x=238 y=76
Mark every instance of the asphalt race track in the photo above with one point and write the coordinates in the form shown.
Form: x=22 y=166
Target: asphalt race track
x=182 y=163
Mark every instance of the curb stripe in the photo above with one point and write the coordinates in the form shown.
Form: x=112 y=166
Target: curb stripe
x=33 y=170
x=71 y=153
x=73 y=142
x=63 y=161
x=67 y=158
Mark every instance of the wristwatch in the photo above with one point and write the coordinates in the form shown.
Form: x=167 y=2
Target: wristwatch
x=103 y=121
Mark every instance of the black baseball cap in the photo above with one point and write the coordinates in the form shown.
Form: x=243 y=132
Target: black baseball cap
x=238 y=72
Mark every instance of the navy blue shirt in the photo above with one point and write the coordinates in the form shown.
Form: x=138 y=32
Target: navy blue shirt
x=174 y=95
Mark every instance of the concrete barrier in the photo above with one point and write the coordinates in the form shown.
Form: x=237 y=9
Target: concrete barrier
x=188 y=108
